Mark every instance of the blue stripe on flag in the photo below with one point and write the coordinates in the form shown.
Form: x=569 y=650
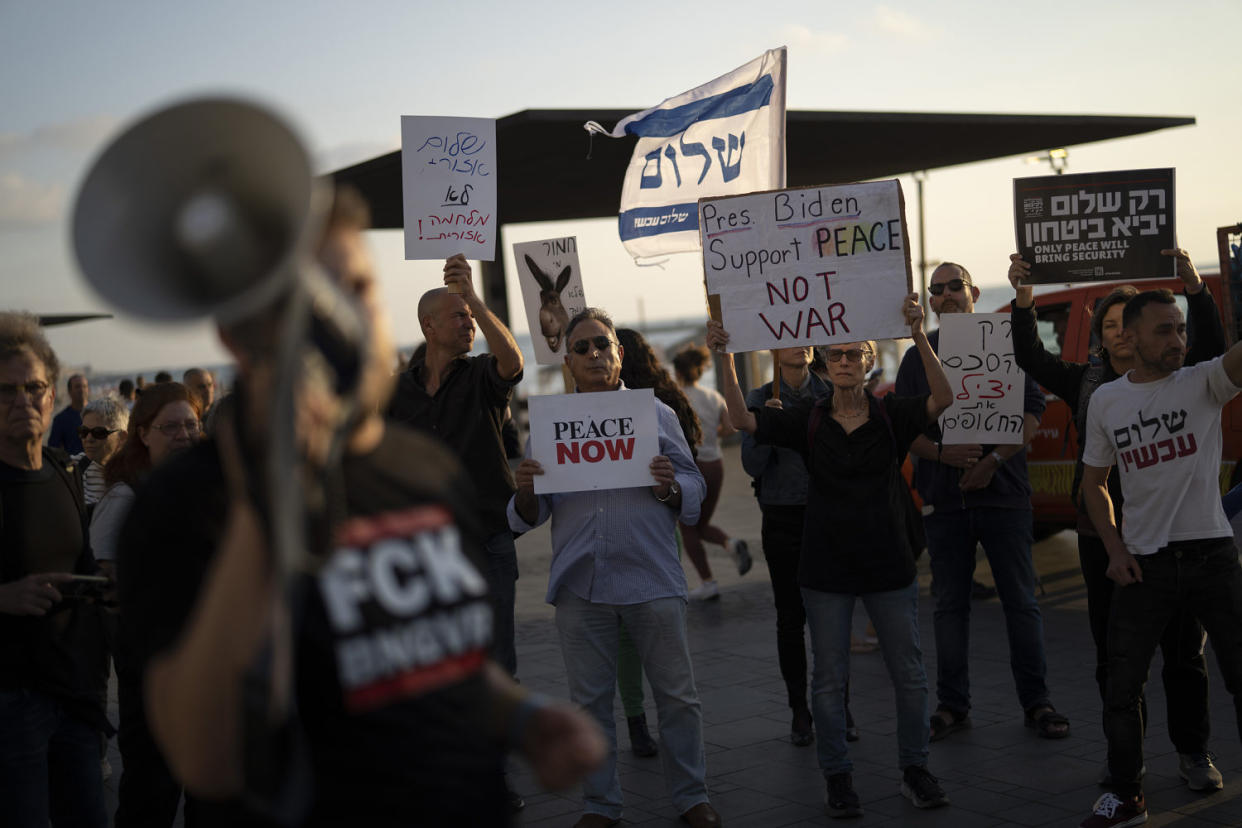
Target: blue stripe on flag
x=663 y=123
x=655 y=221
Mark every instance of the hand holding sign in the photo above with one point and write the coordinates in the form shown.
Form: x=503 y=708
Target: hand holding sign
x=662 y=473
x=458 y=276
x=914 y=313
x=1185 y=269
x=1019 y=274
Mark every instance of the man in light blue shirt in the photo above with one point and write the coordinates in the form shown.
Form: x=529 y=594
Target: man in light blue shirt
x=615 y=561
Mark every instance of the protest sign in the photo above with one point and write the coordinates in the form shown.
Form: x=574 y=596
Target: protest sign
x=597 y=440
x=976 y=350
x=552 y=292
x=1096 y=227
x=722 y=138
x=448 y=187
x=807 y=266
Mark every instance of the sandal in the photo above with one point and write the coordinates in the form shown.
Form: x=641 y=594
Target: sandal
x=945 y=722
x=1047 y=721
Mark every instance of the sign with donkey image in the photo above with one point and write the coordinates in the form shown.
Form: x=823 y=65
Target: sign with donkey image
x=552 y=292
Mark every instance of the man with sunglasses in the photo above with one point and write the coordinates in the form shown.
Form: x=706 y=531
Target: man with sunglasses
x=972 y=495
x=615 y=561
x=53 y=667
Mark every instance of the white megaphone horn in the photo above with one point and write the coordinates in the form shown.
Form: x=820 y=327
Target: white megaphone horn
x=208 y=208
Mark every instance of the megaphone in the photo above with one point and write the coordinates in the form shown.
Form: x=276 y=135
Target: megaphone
x=208 y=208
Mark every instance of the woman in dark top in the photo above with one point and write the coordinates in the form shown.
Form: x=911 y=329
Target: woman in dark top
x=856 y=543
x=1185 y=668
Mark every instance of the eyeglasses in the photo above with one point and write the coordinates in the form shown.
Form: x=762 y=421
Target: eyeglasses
x=34 y=390
x=98 y=432
x=171 y=429
x=853 y=354
x=937 y=288
x=601 y=343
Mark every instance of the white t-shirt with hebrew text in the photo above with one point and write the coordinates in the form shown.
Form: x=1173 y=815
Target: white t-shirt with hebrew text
x=1165 y=439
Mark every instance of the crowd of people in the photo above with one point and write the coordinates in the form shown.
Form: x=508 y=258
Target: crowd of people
x=375 y=683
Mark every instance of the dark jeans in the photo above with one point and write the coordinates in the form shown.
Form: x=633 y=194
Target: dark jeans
x=1185 y=667
x=1006 y=538
x=1202 y=577
x=502 y=575
x=147 y=795
x=49 y=764
x=782 y=545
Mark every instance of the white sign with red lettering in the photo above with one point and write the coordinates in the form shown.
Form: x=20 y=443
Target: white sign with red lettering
x=596 y=440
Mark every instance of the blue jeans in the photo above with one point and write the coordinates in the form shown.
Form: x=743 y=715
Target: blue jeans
x=1202 y=577
x=589 y=635
x=1006 y=537
x=895 y=615
x=49 y=764
x=502 y=575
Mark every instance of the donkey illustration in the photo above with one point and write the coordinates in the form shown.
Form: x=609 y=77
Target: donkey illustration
x=553 y=318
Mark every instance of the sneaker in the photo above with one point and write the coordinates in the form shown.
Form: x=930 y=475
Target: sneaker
x=707 y=591
x=1105 y=779
x=1111 y=811
x=741 y=555
x=841 y=801
x=1199 y=771
x=921 y=788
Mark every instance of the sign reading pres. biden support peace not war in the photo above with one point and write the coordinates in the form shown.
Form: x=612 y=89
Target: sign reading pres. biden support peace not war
x=807 y=266
x=597 y=440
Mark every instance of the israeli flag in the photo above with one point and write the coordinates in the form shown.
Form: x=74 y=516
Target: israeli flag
x=726 y=137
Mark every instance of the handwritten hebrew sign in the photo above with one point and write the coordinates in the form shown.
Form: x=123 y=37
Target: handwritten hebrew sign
x=552 y=292
x=976 y=350
x=1096 y=226
x=448 y=180
x=807 y=266
x=598 y=440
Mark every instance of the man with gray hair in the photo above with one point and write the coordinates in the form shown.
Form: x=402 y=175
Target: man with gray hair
x=615 y=562
x=53 y=668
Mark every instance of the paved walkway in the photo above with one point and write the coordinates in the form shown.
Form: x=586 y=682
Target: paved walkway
x=997 y=774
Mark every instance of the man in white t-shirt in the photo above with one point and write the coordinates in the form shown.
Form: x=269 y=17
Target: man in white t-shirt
x=1160 y=424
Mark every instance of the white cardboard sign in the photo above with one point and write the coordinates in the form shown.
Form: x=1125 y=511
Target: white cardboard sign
x=448 y=184
x=989 y=388
x=551 y=283
x=807 y=266
x=595 y=440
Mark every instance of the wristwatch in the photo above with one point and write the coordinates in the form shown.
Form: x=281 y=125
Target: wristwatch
x=1000 y=461
x=673 y=489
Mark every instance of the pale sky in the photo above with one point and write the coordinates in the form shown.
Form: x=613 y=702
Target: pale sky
x=73 y=74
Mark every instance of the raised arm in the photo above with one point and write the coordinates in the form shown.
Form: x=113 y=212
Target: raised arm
x=941 y=395
x=500 y=341
x=1060 y=377
x=1204 y=332
x=739 y=414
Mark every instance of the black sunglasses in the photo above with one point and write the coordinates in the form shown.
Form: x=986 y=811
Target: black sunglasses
x=937 y=288
x=98 y=432
x=601 y=343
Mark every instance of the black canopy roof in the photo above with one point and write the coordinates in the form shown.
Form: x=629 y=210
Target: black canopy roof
x=550 y=169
